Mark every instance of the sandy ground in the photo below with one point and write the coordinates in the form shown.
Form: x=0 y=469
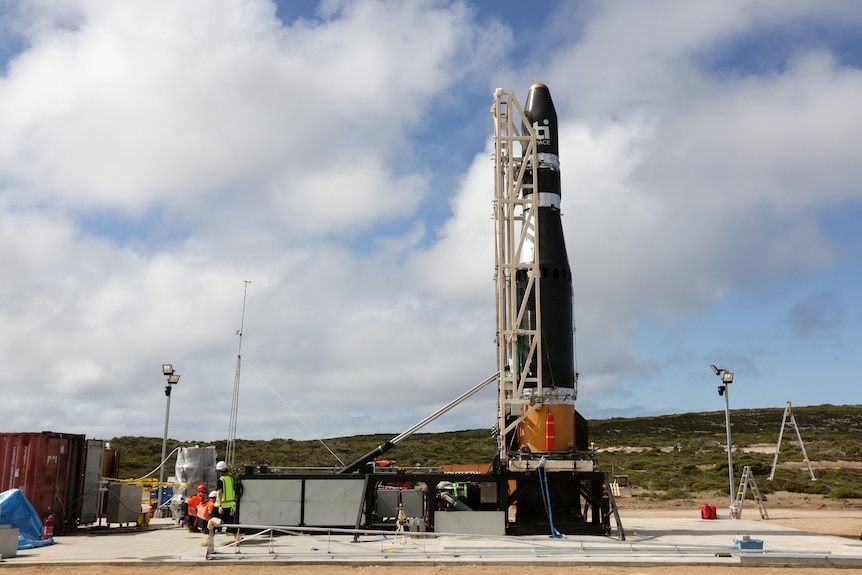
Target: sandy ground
x=814 y=513
x=258 y=569
x=810 y=513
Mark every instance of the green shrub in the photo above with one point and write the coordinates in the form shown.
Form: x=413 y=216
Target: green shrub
x=802 y=486
x=843 y=449
x=704 y=444
x=703 y=486
x=844 y=492
x=758 y=468
x=675 y=493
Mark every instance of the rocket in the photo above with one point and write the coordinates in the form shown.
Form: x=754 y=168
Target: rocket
x=551 y=427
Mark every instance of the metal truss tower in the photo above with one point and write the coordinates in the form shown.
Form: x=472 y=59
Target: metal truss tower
x=515 y=218
x=230 y=455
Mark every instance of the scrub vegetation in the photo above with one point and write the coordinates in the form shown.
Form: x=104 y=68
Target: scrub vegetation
x=666 y=457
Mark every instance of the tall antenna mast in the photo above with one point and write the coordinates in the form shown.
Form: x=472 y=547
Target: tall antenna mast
x=230 y=456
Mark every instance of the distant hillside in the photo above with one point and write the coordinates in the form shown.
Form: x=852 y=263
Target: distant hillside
x=672 y=456
x=676 y=454
x=816 y=423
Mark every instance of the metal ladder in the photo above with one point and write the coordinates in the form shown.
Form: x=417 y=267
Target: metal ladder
x=748 y=482
x=789 y=411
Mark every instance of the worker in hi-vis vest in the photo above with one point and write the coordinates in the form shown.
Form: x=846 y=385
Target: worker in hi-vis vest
x=225 y=496
x=194 y=501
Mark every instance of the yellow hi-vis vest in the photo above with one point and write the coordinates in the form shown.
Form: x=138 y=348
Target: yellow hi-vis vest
x=228 y=498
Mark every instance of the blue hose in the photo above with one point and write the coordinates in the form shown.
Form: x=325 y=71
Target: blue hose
x=546 y=498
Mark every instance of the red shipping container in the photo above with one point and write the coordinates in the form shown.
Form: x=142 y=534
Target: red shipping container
x=48 y=468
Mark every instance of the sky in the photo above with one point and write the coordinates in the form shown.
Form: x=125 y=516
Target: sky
x=335 y=155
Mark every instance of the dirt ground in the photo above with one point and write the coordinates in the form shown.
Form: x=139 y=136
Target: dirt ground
x=815 y=513
x=258 y=569
x=809 y=512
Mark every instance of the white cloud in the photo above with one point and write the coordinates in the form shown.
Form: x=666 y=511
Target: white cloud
x=682 y=184
x=132 y=106
x=460 y=263
x=152 y=160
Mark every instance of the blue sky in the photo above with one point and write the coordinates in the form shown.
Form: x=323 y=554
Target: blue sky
x=336 y=154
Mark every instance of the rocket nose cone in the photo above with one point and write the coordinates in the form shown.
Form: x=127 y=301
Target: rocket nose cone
x=539 y=104
x=539 y=109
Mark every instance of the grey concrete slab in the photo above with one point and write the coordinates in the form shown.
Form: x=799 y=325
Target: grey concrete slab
x=649 y=541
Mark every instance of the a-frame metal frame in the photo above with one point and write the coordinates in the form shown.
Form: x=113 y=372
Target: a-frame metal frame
x=788 y=411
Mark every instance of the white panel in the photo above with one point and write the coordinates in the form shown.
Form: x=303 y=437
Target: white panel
x=470 y=522
x=332 y=502
x=92 y=481
x=271 y=502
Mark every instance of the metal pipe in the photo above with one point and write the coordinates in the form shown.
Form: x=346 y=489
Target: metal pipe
x=729 y=444
x=164 y=445
x=460 y=399
x=390 y=443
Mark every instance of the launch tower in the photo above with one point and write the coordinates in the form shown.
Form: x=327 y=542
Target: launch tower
x=543 y=478
x=540 y=434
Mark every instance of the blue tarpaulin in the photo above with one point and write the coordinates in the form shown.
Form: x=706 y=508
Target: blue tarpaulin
x=17 y=511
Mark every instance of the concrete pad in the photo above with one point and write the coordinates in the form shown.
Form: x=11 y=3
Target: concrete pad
x=648 y=541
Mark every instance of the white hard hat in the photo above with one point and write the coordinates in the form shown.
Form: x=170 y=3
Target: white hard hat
x=221 y=466
x=213 y=494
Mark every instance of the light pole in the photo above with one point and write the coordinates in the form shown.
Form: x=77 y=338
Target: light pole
x=723 y=389
x=173 y=379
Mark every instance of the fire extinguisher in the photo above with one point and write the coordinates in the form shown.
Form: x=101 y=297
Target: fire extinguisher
x=48 y=529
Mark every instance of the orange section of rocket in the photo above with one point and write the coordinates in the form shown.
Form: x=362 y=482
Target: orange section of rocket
x=551 y=427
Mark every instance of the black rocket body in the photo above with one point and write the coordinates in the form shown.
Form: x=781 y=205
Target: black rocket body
x=557 y=325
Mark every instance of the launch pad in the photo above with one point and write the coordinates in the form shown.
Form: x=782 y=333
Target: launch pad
x=543 y=479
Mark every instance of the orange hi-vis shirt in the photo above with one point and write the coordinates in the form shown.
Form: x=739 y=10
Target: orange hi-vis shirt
x=205 y=510
x=194 y=501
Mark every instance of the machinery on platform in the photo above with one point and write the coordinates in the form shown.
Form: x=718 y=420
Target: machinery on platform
x=543 y=478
